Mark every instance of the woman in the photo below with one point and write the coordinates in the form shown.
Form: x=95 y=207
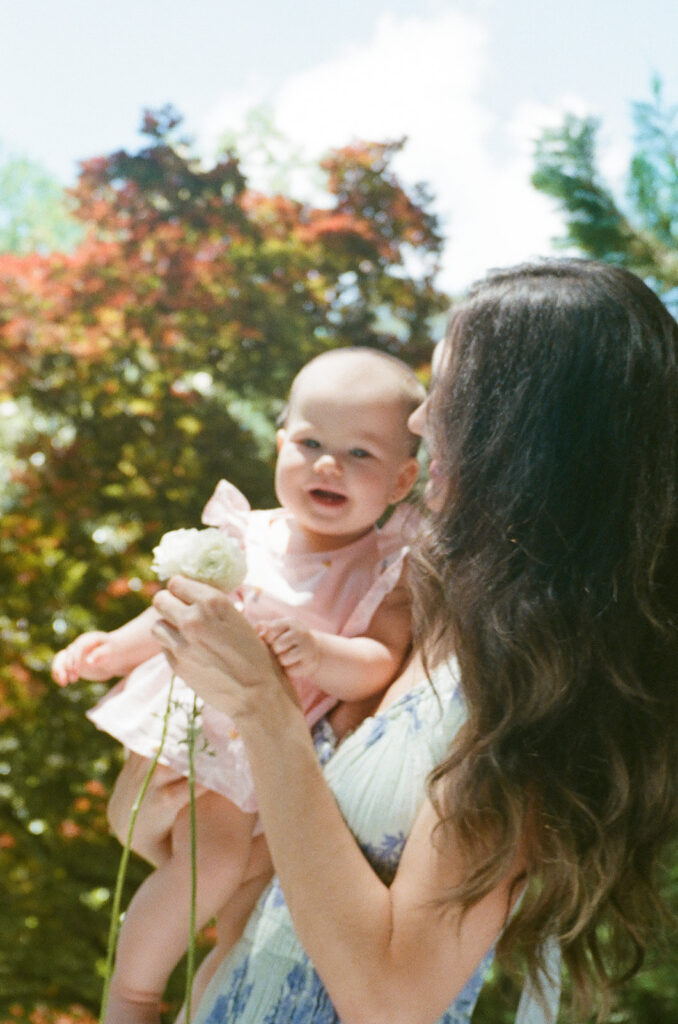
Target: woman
x=549 y=579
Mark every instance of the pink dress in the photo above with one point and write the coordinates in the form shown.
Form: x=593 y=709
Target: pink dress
x=333 y=591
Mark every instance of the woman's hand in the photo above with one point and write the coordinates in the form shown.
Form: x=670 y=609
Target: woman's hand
x=215 y=650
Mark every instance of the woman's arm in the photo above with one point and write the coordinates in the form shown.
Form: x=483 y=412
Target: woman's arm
x=384 y=954
x=387 y=955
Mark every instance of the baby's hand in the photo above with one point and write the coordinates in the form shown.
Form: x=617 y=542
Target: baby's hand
x=295 y=647
x=88 y=657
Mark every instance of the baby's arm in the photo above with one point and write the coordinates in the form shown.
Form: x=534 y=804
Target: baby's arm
x=349 y=668
x=99 y=656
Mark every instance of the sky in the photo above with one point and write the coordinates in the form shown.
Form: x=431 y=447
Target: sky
x=469 y=82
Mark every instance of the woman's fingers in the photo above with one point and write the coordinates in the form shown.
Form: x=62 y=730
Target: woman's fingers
x=174 y=605
x=167 y=605
x=187 y=591
x=189 y=606
x=215 y=650
x=165 y=632
x=199 y=626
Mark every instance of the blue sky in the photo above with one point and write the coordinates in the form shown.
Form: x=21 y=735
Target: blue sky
x=469 y=82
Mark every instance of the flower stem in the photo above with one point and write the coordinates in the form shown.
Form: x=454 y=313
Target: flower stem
x=114 y=927
x=190 y=957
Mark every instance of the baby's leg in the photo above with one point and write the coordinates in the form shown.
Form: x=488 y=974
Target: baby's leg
x=165 y=796
x=155 y=931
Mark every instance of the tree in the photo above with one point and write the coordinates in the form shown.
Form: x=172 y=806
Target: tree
x=641 y=232
x=34 y=210
x=136 y=371
x=268 y=155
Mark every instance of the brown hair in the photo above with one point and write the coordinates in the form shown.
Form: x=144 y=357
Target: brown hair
x=551 y=571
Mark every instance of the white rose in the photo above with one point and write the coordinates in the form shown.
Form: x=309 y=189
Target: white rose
x=208 y=555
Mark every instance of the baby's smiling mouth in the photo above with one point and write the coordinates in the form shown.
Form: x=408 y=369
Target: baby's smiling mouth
x=324 y=497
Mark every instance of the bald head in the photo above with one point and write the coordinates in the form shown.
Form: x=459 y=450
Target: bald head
x=354 y=376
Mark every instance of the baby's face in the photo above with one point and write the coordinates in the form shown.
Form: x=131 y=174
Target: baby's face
x=341 y=462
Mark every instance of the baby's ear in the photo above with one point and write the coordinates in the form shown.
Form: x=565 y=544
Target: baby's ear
x=409 y=471
x=280 y=438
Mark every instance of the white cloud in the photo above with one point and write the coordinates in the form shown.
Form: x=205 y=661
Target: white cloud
x=422 y=77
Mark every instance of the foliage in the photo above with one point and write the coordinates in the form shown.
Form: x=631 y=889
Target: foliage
x=136 y=371
x=269 y=156
x=34 y=211
x=640 y=233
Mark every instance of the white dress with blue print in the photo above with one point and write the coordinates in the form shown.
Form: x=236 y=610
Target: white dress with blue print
x=378 y=776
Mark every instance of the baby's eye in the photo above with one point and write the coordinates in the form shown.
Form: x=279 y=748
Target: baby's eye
x=309 y=442
x=360 y=453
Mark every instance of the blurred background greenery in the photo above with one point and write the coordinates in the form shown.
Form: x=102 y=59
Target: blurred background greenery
x=151 y=321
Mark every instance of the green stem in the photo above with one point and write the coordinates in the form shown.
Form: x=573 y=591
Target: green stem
x=190 y=956
x=124 y=859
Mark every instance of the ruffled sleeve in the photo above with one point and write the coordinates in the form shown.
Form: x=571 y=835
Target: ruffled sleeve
x=228 y=509
x=393 y=545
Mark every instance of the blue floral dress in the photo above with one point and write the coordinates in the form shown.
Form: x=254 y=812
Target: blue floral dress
x=378 y=775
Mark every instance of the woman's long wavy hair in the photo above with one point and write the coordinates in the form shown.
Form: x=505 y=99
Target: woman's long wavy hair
x=551 y=571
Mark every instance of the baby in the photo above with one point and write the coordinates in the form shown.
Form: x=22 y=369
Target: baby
x=325 y=590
